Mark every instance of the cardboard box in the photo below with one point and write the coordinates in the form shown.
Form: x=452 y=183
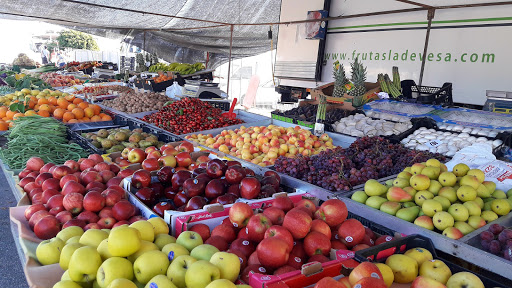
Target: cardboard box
x=327 y=89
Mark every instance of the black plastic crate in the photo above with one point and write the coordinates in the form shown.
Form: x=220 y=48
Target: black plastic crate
x=417 y=123
x=401 y=245
x=223 y=105
x=427 y=94
x=377 y=228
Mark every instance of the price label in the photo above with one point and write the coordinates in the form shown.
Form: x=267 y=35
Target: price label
x=434 y=143
x=143 y=75
x=319 y=129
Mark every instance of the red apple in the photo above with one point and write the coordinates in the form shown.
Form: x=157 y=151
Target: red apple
x=186 y=147
x=26 y=180
x=73 y=202
x=47 y=194
x=240 y=213
x=42 y=177
x=257 y=226
x=96 y=158
x=61 y=171
x=194 y=187
x=338 y=245
x=37 y=198
x=36 y=216
x=35 y=191
x=272 y=252
x=219 y=242
x=74 y=222
x=308 y=204
x=298 y=223
x=56 y=210
x=363 y=270
x=33 y=174
x=124 y=153
x=47 y=227
x=170 y=151
x=86 y=164
x=235 y=174
x=252 y=269
x=281 y=233
x=202 y=159
x=352 y=232
x=285 y=269
x=253 y=259
x=93 y=201
x=243 y=246
x=318 y=258
x=34 y=164
x=322 y=227
x=95 y=184
x=179 y=178
x=273 y=174
x=275 y=215
x=107 y=223
x=106 y=175
x=122 y=222
x=154 y=155
x=64 y=216
x=69 y=177
x=215 y=168
x=332 y=211
x=242 y=234
x=134 y=219
x=249 y=172
x=180 y=199
x=383 y=238
x=123 y=210
x=116 y=181
x=106 y=212
x=125 y=173
x=167 y=161
x=136 y=155
x=141 y=178
x=73 y=165
x=114 y=168
x=33 y=209
x=317 y=243
x=283 y=203
x=46 y=168
x=195 y=203
x=146 y=196
x=183 y=159
x=270 y=180
x=224 y=231
x=50 y=183
x=55 y=201
x=88 y=217
x=92 y=226
x=90 y=176
x=73 y=187
x=150 y=164
x=25 y=172
x=250 y=188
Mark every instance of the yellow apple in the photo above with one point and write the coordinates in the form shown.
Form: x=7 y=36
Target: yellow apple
x=66 y=253
x=84 y=264
x=228 y=264
x=160 y=281
x=163 y=239
x=123 y=241
x=174 y=250
x=144 y=247
x=419 y=254
x=200 y=274
x=66 y=284
x=387 y=273
x=93 y=237
x=436 y=269
x=48 y=251
x=464 y=280
x=404 y=268
x=178 y=268
x=146 y=230
x=122 y=283
x=74 y=239
x=114 y=268
x=150 y=264
x=69 y=232
x=103 y=250
x=221 y=283
x=159 y=225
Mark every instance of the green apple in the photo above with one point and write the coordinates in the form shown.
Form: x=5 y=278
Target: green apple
x=103 y=250
x=443 y=220
x=221 y=283
x=84 y=264
x=473 y=208
x=200 y=274
x=146 y=230
x=435 y=186
x=93 y=237
x=163 y=239
x=204 y=252
x=160 y=281
x=447 y=179
x=459 y=212
x=174 y=250
x=114 y=268
x=123 y=241
x=436 y=269
x=74 y=239
x=48 y=251
x=66 y=284
x=189 y=240
x=69 y=232
x=464 y=279
x=144 y=247
x=66 y=253
x=359 y=196
x=178 y=268
x=159 y=225
x=122 y=283
x=444 y=202
x=228 y=264
x=460 y=169
x=150 y=264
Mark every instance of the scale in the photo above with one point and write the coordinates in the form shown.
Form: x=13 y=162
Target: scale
x=498 y=101
x=196 y=88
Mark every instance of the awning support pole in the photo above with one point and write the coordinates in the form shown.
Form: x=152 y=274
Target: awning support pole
x=430 y=16
x=230 y=48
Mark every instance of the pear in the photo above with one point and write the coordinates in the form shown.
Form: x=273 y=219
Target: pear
x=466 y=193
x=509 y=193
x=433 y=163
x=408 y=214
x=469 y=180
x=374 y=188
x=397 y=194
x=401 y=182
x=425 y=222
x=435 y=186
x=453 y=233
x=499 y=194
x=416 y=168
x=460 y=169
x=482 y=191
x=409 y=204
x=449 y=193
x=420 y=182
x=489 y=216
x=404 y=175
x=463 y=227
x=359 y=196
x=431 y=207
x=407 y=169
x=500 y=207
x=459 y=212
x=431 y=172
x=480 y=202
x=443 y=220
x=473 y=208
x=491 y=186
x=447 y=179
x=478 y=174
x=476 y=222
x=411 y=191
x=375 y=201
x=487 y=205
x=421 y=196
x=390 y=207
x=389 y=183
x=445 y=203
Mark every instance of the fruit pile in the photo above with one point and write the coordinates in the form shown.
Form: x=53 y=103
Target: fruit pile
x=262 y=145
x=102 y=90
x=340 y=169
x=497 y=240
x=416 y=266
x=286 y=235
x=359 y=125
x=57 y=80
x=213 y=181
x=134 y=102
x=142 y=254
x=189 y=115
x=84 y=193
x=117 y=139
x=454 y=203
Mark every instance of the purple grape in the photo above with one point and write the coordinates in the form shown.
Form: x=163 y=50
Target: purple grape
x=486 y=235
x=507 y=253
x=485 y=244
x=496 y=229
x=505 y=235
x=495 y=247
x=509 y=243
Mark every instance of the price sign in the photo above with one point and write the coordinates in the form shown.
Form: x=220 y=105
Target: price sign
x=434 y=143
x=319 y=129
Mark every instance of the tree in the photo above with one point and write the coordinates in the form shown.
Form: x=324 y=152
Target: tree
x=77 y=40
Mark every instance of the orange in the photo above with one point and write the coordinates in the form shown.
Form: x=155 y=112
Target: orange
x=96 y=108
x=42 y=101
x=3 y=111
x=43 y=113
x=36 y=107
x=68 y=116
x=3 y=126
x=71 y=107
x=17 y=115
x=89 y=112
x=10 y=114
x=95 y=118
x=58 y=113
x=62 y=103
x=45 y=107
x=106 y=117
x=32 y=104
x=11 y=124
x=73 y=121
x=79 y=113
x=83 y=105
x=86 y=119
x=77 y=101
x=30 y=113
x=70 y=97
x=52 y=100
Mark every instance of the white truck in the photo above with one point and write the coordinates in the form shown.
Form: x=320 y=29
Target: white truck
x=468 y=46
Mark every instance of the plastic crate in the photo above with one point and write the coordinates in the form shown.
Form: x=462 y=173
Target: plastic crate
x=223 y=105
x=416 y=124
x=427 y=94
x=417 y=241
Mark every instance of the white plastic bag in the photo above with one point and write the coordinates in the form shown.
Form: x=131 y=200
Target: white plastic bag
x=174 y=91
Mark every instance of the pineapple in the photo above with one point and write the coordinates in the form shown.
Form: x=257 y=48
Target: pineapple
x=358 y=79
x=340 y=80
